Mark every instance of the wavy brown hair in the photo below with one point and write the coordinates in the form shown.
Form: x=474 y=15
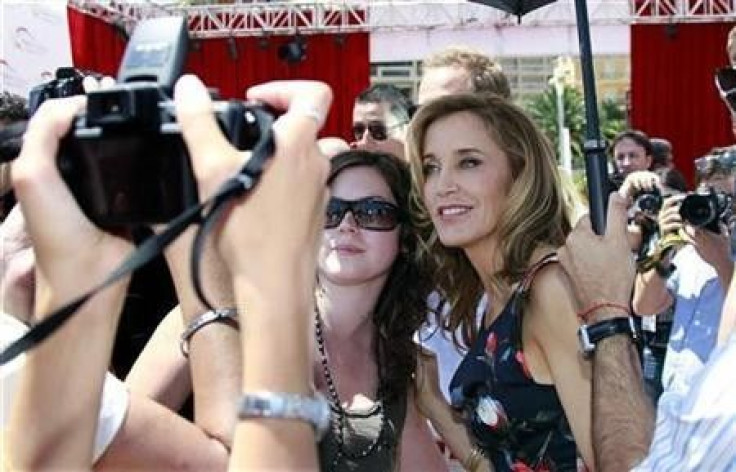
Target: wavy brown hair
x=402 y=304
x=535 y=214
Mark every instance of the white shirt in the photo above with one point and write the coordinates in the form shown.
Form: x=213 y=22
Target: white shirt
x=440 y=342
x=696 y=422
x=698 y=301
x=113 y=407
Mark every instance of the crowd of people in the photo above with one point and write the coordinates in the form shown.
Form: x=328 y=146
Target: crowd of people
x=424 y=296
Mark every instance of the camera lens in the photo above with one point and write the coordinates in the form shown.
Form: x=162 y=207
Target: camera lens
x=698 y=210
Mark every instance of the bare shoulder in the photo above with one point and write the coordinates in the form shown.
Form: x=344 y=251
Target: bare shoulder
x=551 y=300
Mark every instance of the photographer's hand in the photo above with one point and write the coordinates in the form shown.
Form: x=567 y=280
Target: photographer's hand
x=269 y=241
x=640 y=181
x=669 y=218
x=72 y=255
x=586 y=256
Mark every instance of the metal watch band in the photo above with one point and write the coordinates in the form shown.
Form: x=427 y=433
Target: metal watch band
x=591 y=335
x=229 y=315
x=314 y=409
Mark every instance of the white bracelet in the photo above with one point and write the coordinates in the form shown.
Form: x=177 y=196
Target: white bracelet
x=313 y=409
x=220 y=315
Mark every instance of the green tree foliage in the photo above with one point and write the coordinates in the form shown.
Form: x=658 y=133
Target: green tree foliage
x=543 y=109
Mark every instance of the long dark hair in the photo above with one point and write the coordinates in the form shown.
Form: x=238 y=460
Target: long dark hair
x=402 y=304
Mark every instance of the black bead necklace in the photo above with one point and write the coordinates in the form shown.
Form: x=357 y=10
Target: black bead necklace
x=339 y=418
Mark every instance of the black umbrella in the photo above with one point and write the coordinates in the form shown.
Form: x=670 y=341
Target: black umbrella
x=594 y=146
x=515 y=7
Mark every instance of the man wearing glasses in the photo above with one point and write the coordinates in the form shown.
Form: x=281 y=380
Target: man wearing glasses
x=380 y=116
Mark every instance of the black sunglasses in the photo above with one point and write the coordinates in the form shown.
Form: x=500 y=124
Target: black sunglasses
x=370 y=213
x=723 y=163
x=377 y=129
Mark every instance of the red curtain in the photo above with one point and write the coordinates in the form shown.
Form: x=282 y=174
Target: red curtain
x=673 y=94
x=342 y=61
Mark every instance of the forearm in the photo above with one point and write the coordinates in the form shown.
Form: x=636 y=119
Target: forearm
x=155 y=438
x=623 y=416
x=452 y=430
x=277 y=357
x=419 y=449
x=161 y=372
x=650 y=294
x=67 y=369
x=214 y=350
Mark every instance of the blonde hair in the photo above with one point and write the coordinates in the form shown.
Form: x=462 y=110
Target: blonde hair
x=535 y=214
x=731 y=46
x=486 y=74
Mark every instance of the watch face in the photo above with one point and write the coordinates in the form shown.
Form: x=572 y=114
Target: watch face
x=586 y=347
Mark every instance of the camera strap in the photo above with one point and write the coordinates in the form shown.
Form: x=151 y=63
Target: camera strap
x=206 y=214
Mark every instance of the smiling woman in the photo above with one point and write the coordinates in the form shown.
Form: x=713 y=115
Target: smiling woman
x=491 y=203
x=371 y=299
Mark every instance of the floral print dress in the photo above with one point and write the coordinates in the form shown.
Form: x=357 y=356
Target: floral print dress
x=519 y=424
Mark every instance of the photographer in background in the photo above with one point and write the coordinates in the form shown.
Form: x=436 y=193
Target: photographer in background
x=693 y=279
x=646 y=237
x=632 y=151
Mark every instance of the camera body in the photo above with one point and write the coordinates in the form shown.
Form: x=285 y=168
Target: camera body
x=706 y=209
x=124 y=159
x=68 y=82
x=649 y=201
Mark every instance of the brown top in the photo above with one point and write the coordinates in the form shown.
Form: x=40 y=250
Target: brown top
x=362 y=430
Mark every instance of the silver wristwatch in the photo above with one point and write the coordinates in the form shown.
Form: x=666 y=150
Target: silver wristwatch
x=312 y=409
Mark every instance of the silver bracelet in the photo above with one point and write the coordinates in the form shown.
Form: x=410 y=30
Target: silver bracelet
x=220 y=315
x=314 y=409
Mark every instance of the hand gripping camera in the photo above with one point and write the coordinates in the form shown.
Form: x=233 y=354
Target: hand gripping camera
x=124 y=158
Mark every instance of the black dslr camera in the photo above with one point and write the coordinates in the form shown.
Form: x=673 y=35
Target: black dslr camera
x=648 y=201
x=124 y=159
x=706 y=209
x=68 y=82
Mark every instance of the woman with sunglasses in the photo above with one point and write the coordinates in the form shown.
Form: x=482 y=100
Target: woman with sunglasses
x=371 y=298
x=493 y=208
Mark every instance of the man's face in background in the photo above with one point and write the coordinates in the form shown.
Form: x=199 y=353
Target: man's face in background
x=630 y=156
x=375 y=128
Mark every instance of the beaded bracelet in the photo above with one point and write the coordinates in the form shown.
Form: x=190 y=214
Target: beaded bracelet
x=585 y=314
x=220 y=315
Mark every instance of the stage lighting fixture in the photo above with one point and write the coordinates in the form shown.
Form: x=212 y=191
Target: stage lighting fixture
x=294 y=51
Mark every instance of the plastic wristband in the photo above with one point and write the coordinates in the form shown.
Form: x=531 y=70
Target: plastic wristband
x=221 y=315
